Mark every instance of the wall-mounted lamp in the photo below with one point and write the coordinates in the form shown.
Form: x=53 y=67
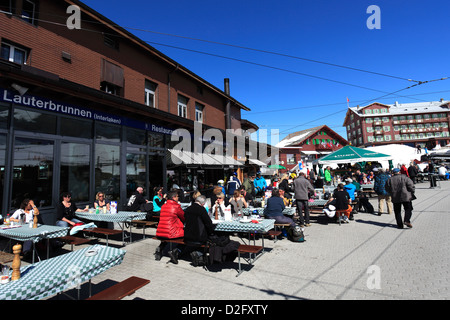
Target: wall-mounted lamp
x=19 y=88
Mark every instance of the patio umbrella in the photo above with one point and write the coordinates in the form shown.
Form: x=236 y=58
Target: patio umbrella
x=276 y=166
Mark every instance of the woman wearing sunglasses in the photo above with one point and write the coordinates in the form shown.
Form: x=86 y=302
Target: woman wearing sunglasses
x=65 y=211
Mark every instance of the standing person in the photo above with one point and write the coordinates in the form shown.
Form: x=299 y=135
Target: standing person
x=233 y=184
x=327 y=176
x=402 y=190
x=404 y=170
x=380 y=189
x=413 y=171
x=170 y=226
x=301 y=188
x=248 y=185
x=65 y=211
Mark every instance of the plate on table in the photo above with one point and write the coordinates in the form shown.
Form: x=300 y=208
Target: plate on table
x=245 y=220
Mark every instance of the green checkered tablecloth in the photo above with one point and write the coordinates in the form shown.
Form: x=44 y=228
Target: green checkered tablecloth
x=121 y=216
x=25 y=233
x=236 y=226
x=49 y=277
x=317 y=202
x=260 y=211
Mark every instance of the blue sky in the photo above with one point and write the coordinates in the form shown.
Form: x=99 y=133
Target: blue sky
x=291 y=94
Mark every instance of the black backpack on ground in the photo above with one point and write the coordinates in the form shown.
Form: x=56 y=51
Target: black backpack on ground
x=295 y=234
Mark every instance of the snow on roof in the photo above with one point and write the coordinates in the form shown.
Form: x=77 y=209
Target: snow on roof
x=293 y=140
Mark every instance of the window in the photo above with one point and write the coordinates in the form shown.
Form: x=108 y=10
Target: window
x=369 y=120
x=385 y=119
x=30 y=11
x=14 y=53
x=7 y=5
x=199 y=112
x=396 y=128
x=386 y=128
x=150 y=93
x=370 y=138
x=74 y=171
x=290 y=159
x=112 y=79
x=32 y=171
x=182 y=106
x=387 y=138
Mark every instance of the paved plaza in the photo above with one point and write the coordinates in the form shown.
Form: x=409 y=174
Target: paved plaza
x=367 y=259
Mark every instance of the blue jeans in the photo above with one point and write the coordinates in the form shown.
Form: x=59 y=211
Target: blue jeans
x=283 y=219
x=61 y=223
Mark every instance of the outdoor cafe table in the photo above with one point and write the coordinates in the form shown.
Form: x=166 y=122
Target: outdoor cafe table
x=120 y=218
x=65 y=272
x=25 y=233
x=289 y=211
x=263 y=226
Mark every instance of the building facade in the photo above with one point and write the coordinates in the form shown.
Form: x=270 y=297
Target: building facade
x=308 y=145
x=93 y=109
x=413 y=124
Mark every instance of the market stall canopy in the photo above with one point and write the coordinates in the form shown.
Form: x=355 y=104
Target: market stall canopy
x=276 y=166
x=350 y=154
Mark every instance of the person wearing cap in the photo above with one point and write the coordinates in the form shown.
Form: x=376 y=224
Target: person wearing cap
x=233 y=184
x=350 y=188
x=221 y=183
x=379 y=187
x=401 y=188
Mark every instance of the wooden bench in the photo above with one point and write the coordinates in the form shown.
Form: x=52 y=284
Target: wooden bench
x=250 y=250
x=144 y=224
x=121 y=289
x=104 y=231
x=6 y=257
x=73 y=241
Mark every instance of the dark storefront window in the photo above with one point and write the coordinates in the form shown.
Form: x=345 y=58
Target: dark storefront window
x=106 y=132
x=2 y=165
x=136 y=172
x=107 y=170
x=32 y=171
x=137 y=141
x=74 y=173
x=76 y=128
x=155 y=140
x=4 y=112
x=31 y=121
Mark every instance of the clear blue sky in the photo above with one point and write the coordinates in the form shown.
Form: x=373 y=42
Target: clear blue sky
x=413 y=43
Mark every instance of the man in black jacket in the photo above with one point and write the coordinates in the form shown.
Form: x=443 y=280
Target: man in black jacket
x=198 y=225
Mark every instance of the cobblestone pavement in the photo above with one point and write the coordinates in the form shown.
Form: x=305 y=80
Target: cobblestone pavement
x=366 y=259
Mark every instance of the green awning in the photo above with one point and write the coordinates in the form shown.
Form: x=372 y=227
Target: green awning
x=350 y=154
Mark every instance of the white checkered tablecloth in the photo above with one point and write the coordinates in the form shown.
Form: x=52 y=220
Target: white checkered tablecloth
x=121 y=216
x=236 y=226
x=25 y=233
x=317 y=202
x=49 y=277
x=260 y=211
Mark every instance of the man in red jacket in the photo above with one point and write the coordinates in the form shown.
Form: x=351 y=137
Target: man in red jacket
x=170 y=226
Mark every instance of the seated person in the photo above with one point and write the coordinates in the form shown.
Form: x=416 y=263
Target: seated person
x=137 y=202
x=275 y=207
x=341 y=201
x=100 y=202
x=247 y=195
x=283 y=196
x=158 y=200
x=65 y=211
x=350 y=188
x=218 y=209
x=27 y=210
x=238 y=202
x=170 y=226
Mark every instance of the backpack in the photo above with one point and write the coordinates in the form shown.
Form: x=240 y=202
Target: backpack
x=296 y=234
